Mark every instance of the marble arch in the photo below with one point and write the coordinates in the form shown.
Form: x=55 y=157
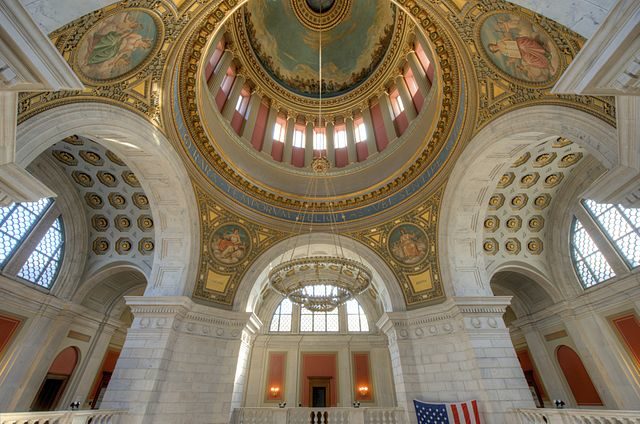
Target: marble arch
x=480 y=165
x=255 y=279
x=158 y=167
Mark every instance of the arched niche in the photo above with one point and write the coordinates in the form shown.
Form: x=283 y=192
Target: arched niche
x=251 y=289
x=159 y=169
x=477 y=170
x=577 y=377
x=531 y=291
x=56 y=381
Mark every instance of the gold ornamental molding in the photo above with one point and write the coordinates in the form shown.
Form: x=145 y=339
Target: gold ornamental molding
x=324 y=21
x=450 y=79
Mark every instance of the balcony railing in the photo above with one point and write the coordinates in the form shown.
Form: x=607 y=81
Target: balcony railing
x=318 y=416
x=96 y=416
x=576 y=416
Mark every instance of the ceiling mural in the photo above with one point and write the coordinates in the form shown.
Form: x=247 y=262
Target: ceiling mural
x=117 y=45
x=121 y=226
x=148 y=56
x=519 y=208
x=289 y=50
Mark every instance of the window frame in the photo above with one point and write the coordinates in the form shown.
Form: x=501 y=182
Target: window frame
x=575 y=260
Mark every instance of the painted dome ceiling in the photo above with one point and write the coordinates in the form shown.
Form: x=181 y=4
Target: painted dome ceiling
x=285 y=37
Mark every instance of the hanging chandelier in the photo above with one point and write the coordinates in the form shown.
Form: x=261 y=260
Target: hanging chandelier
x=319 y=283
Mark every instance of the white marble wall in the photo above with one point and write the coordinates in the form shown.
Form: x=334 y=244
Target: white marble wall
x=459 y=350
x=179 y=362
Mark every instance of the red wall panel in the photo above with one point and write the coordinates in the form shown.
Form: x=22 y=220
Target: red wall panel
x=342 y=157
x=362 y=376
x=221 y=98
x=108 y=365
x=577 y=377
x=319 y=365
x=8 y=327
x=297 y=157
x=378 y=127
x=401 y=123
x=362 y=152
x=418 y=101
x=236 y=122
x=276 y=376
x=65 y=362
x=629 y=330
x=277 y=151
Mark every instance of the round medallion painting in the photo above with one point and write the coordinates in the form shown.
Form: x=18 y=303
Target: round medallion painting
x=407 y=244
x=519 y=48
x=230 y=244
x=116 y=45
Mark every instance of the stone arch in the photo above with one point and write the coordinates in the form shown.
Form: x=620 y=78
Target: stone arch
x=160 y=171
x=255 y=278
x=531 y=291
x=480 y=165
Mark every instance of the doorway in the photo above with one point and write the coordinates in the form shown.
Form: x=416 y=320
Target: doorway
x=319 y=391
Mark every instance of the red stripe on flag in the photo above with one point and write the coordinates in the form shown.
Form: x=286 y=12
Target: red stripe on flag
x=476 y=414
x=456 y=416
x=465 y=412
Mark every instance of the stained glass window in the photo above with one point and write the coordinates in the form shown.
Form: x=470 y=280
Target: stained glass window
x=281 y=320
x=16 y=221
x=356 y=318
x=621 y=226
x=591 y=265
x=42 y=265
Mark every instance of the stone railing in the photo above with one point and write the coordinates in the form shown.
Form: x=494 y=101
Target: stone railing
x=576 y=416
x=318 y=416
x=96 y=416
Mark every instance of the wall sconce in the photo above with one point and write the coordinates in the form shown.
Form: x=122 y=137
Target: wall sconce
x=275 y=391
x=363 y=390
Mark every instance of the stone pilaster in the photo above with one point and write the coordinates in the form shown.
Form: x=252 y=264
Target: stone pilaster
x=405 y=95
x=221 y=70
x=181 y=362
x=456 y=351
x=230 y=105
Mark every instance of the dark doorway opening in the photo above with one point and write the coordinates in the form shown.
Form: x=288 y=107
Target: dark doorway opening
x=319 y=397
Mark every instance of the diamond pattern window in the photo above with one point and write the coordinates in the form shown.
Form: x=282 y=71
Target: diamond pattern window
x=319 y=321
x=356 y=318
x=621 y=226
x=16 y=221
x=42 y=265
x=590 y=264
x=281 y=321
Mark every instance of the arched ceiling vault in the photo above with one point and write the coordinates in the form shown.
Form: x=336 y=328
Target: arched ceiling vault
x=492 y=59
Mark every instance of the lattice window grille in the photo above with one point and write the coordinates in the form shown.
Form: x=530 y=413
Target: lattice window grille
x=42 y=265
x=281 y=321
x=621 y=226
x=356 y=318
x=590 y=264
x=16 y=222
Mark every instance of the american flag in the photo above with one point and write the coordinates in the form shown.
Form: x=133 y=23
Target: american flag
x=447 y=413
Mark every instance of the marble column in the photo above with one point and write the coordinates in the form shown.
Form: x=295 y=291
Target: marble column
x=372 y=148
x=544 y=363
x=181 y=362
x=351 y=142
x=331 y=152
x=254 y=108
x=455 y=351
x=387 y=116
x=617 y=384
x=24 y=365
x=405 y=95
x=267 y=144
x=230 y=105
x=308 y=144
x=418 y=72
x=221 y=70
x=288 y=140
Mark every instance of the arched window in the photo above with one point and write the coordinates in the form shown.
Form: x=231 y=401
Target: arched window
x=281 y=320
x=621 y=226
x=25 y=225
x=591 y=265
x=43 y=263
x=17 y=221
x=356 y=318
